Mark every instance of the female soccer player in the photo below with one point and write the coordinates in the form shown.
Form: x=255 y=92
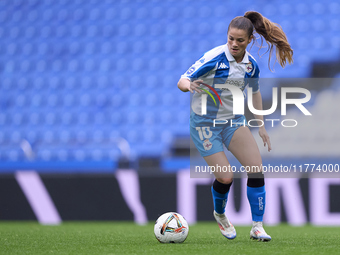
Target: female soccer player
x=231 y=64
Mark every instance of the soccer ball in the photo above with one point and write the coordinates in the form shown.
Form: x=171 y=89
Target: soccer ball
x=171 y=227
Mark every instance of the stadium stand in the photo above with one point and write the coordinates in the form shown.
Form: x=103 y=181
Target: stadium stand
x=78 y=75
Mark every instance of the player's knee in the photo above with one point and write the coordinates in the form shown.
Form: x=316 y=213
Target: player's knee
x=225 y=180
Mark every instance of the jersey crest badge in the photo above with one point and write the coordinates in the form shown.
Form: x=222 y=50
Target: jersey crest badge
x=207 y=144
x=249 y=67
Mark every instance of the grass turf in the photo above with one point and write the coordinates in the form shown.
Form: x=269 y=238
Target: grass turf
x=128 y=238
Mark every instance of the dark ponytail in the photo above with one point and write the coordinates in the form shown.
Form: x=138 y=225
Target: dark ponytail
x=271 y=32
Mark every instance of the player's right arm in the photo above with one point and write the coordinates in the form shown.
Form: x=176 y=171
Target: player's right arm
x=191 y=79
x=186 y=85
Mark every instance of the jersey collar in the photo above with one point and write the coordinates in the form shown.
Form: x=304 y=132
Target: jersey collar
x=230 y=57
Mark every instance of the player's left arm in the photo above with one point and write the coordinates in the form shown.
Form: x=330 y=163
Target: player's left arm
x=257 y=103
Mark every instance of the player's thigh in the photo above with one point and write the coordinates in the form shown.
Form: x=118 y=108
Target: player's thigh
x=244 y=147
x=221 y=166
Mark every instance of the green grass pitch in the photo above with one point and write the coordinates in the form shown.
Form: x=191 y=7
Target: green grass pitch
x=128 y=238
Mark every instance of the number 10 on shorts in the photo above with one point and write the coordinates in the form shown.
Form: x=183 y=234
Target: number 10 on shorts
x=204 y=132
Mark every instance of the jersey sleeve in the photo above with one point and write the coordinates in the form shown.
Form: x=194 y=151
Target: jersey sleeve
x=254 y=81
x=200 y=67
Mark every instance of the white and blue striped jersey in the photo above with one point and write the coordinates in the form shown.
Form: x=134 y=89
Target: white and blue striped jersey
x=218 y=66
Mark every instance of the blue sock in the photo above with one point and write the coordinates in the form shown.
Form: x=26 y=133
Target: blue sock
x=220 y=201
x=257 y=200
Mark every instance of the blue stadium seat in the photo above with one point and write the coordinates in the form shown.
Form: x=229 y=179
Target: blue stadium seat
x=166 y=117
x=12 y=49
x=3 y=136
x=334 y=8
x=79 y=155
x=37 y=100
x=34 y=119
x=135 y=99
x=51 y=119
x=23 y=83
x=110 y=13
x=30 y=49
x=138 y=64
x=92 y=32
x=47 y=15
x=140 y=30
x=16 y=136
x=113 y=154
x=69 y=100
x=318 y=8
x=150 y=136
x=152 y=100
x=113 y=134
x=156 y=12
x=52 y=100
x=7 y=84
x=126 y=13
x=82 y=137
x=302 y=25
x=168 y=100
x=98 y=136
x=171 y=29
x=32 y=136
x=14 y=154
x=170 y=46
x=121 y=47
x=99 y=118
x=85 y=100
x=44 y=155
x=133 y=118
x=21 y=101
x=68 y=118
x=150 y=118
x=125 y=30
x=183 y=117
x=18 y=119
x=84 y=118
x=65 y=136
x=133 y=136
x=319 y=25
x=3 y=119
x=122 y=64
x=97 y=155
x=116 y=100
x=15 y=33
x=76 y=31
x=187 y=46
x=155 y=47
x=138 y=47
x=101 y=100
x=49 y=136
x=62 y=155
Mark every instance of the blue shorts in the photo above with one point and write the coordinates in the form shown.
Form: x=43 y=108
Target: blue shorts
x=209 y=139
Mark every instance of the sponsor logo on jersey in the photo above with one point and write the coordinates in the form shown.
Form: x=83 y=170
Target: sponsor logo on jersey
x=202 y=60
x=222 y=66
x=207 y=144
x=238 y=83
